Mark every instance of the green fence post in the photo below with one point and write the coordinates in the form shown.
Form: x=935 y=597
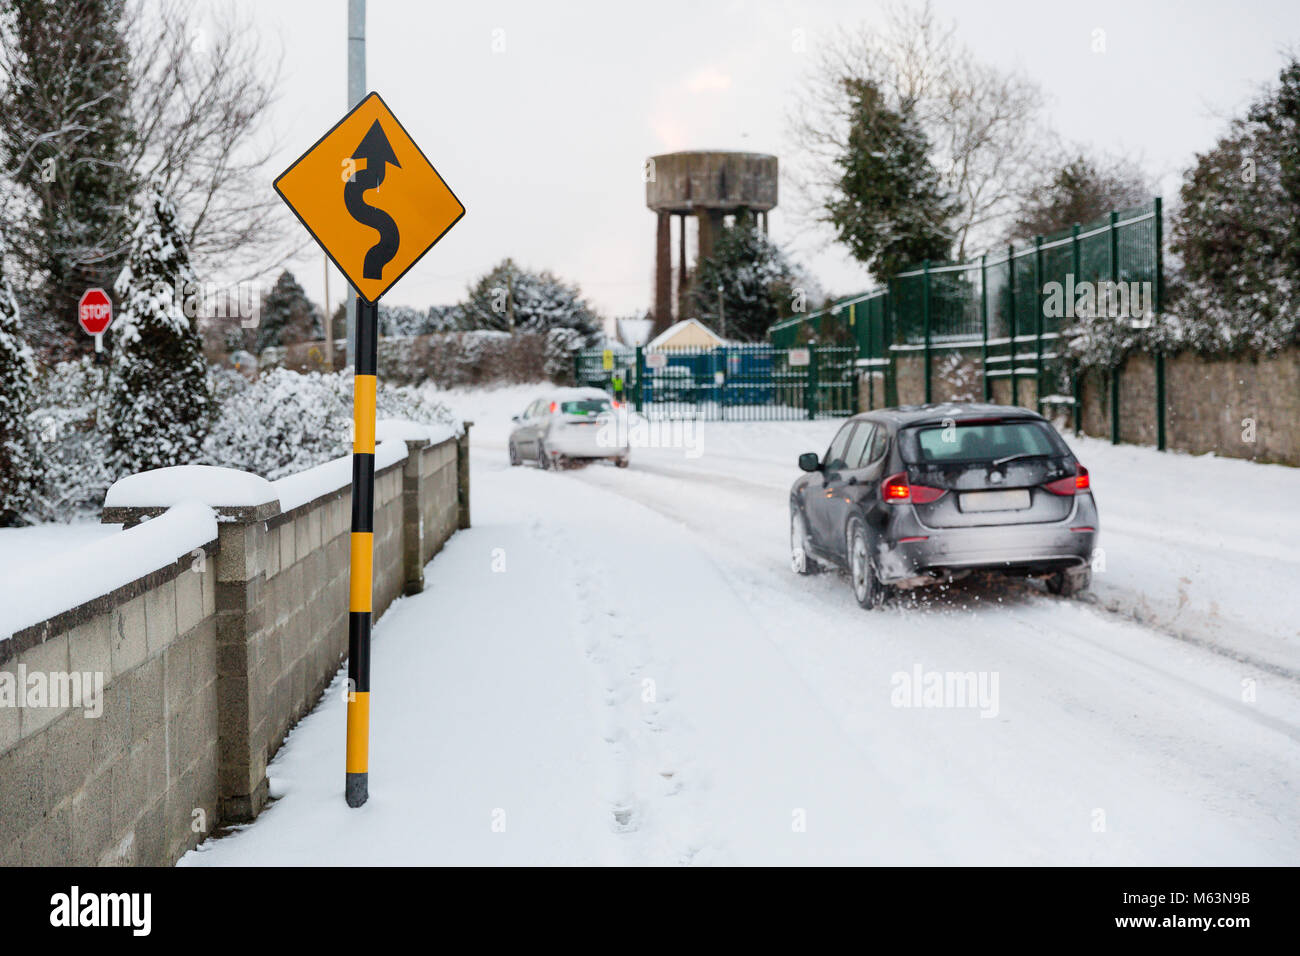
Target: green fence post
x=1114 y=375
x=891 y=373
x=925 y=319
x=1078 y=372
x=1038 y=323
x=1077 y=375
x=810 y=391
x=984 y=327
x=1156 y=305
x=1011 y=318
x=640 y=377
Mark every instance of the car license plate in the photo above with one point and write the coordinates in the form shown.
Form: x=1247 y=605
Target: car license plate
x=1011 y=499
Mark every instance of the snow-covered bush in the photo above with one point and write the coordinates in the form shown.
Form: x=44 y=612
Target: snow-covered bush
x=18 y=457
x=286 y=422
x=75 y=455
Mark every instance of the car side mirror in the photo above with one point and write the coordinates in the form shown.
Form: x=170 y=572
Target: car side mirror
x=809 y=461
x=515 y=419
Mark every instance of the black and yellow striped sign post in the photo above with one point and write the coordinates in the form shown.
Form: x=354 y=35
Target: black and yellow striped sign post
x=374 y=235
x=361 y=569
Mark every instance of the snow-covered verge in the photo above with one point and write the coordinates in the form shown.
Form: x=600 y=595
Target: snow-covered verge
x=71 y=578
x=1205 y=547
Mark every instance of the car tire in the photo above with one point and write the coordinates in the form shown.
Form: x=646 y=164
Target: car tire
x=621 y=461
x=1070 y=581
x=867 y=589
x=543 y=459
x=801 y=562
x=514 y=455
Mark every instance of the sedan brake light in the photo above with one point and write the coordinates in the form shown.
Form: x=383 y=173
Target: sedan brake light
x=1072 y=484
x=896 y=488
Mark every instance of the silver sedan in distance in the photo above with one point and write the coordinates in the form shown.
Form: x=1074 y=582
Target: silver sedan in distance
x=570 y=425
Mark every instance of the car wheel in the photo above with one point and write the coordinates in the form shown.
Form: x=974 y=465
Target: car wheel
x=867 y=588
x=543 y=459
x=1070 y=581
x=621 y=461
x=801 y=562
x=514 y=455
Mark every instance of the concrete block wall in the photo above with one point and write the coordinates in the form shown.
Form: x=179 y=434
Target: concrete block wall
x=207 y=665
x=138 y=783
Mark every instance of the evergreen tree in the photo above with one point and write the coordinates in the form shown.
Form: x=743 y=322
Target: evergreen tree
x=18 y=456
x=757 y=281
x=889 y=206
x=1238 y=233
x=288 y=316
x=512 y=299
x=65 y=139
x=159 y=404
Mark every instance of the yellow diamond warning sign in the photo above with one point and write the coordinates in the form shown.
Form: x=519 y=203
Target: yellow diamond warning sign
x=370 y=197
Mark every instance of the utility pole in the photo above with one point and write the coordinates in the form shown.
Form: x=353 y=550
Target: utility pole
x=356 y=93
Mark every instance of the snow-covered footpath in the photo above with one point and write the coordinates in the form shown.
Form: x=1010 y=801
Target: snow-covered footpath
x=617 y=667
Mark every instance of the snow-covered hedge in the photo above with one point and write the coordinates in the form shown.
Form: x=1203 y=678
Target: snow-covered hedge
x=479 y=357
x=286 y=422
x=283 y=423
x=75 y=453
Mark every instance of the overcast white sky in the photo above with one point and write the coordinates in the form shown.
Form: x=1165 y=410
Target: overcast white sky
x=544 y=141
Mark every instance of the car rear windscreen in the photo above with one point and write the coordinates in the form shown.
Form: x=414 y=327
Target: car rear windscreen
x=591 y=406
x=982 y=441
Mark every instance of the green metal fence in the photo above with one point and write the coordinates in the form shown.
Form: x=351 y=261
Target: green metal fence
x=739 y=382
x=999 y=307
x=1004 y=314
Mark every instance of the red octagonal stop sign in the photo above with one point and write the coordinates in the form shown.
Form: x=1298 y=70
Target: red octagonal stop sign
x=95 y=311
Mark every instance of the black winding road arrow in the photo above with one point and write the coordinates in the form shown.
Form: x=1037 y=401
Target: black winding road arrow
x=375 y=149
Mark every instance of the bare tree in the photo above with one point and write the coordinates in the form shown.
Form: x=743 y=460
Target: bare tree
x=202 y=88
x=983 y=124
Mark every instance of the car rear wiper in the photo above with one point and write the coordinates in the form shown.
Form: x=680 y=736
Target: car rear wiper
x=999 y=462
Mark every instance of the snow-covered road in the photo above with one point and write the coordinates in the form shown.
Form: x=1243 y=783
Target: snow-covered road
x=617 y=666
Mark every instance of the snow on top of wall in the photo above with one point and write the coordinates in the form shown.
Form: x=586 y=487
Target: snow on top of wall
x=72 y=578
x=398 y=429
x=164 y=487
x=305 y=486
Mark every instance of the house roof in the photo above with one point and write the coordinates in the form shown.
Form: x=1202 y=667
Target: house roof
x=668 y=334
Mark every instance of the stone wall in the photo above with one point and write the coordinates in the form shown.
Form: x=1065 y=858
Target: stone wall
x=1244 y=407
x=207 y=664
x=955 y=376
x=1239 y=407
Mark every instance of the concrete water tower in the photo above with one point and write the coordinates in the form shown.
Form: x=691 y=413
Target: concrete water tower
x=707 y=186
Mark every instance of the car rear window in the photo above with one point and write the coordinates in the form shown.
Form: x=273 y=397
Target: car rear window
x=591 y=406
x=979 y=441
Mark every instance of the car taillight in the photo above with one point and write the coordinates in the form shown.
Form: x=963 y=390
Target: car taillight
x=1077 y=482
x=618 y=404
x=896 y=488
x=554 y=407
